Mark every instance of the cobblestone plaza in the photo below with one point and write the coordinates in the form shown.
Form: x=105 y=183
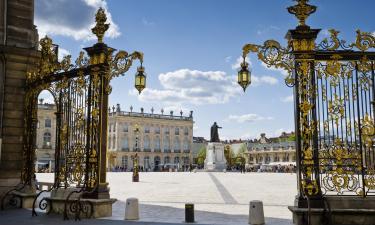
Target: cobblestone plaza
x=219 y=198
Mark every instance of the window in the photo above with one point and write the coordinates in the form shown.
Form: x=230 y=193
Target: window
x=147 y=129
x=167 y=160
x=125 y=128
x=114 y=127
x=166 y=130
x=176 y=160
x=177 y=131
x=47 y=140
x=146 y=143
x=157 y=144
x=146 y=162
x=125 y=143
x=109 y=142
x=177 y=145
x=47 y=122
x=186 y=131
x=157 y=130
x=167 y=145
x=186 y=145
x=124 y=161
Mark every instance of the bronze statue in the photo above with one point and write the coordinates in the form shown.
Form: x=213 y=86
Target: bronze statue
x=215 y=133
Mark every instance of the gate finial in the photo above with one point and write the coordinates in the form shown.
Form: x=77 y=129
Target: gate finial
x=100 y=27
x=302 y=11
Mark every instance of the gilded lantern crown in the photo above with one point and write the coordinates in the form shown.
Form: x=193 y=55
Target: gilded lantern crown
x=100 y=27
x=302 y=11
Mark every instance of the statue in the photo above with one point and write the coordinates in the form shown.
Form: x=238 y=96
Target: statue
x=215 y=133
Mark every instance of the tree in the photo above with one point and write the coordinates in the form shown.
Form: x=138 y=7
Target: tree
x=201 y=156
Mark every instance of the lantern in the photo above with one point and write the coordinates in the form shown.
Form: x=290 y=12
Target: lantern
x=244 y=76
x=140 y=79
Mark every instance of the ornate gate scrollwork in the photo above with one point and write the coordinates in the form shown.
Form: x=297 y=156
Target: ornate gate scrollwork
x=81 y=94
x=334 y=100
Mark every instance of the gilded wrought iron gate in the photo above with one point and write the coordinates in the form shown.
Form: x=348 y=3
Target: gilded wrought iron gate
x=334 y=92
x=345 y=110
x=81 y=96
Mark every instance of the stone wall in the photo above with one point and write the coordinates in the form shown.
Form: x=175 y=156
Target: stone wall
x=17 y=49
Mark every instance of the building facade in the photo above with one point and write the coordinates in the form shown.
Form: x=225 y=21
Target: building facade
x=46 y=137
x=272 y=151
x=160 y=141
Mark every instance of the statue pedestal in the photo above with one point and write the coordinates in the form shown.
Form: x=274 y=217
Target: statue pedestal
x=215 y=158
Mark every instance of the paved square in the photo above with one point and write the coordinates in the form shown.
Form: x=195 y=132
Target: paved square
x=219 y=198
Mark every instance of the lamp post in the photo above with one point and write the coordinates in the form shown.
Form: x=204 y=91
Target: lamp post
x=135 y=177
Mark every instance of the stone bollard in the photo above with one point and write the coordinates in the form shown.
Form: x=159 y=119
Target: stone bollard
x=132 y=209
x=189 y=213
x=256 y=214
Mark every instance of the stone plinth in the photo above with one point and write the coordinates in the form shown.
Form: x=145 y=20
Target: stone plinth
x=215 y=158
x=342 y=210
x=100 y=207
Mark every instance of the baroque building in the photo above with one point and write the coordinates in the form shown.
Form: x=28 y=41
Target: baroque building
x=272 y=151
x=46 y=137
x=161 y=141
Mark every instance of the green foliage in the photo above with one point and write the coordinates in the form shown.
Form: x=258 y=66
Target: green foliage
x=201 y=155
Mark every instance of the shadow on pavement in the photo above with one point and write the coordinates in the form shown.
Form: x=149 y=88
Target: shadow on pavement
x=150 y=215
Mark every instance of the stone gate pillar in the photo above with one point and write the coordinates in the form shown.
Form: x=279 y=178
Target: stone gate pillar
x=18 y=44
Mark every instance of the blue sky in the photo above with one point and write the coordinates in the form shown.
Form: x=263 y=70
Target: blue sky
x=191 y=48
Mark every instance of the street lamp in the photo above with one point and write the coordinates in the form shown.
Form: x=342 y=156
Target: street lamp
x=244 y=75
x=140 y=79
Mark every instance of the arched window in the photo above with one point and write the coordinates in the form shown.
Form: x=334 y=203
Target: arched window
x=166 y=130
x=47 y=123
x=146 y=162
x=176 y=160
x=146 y=143
x=167 y=145
x=186 y=160
x=125 y=143
x=177 y=131
x=177 y=144
x=167 y=160
x=157 y=143
x=46 y=140
x=186 y=131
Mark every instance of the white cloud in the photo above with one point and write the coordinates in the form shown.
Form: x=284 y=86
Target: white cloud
x=72 y=18
x=192 y=86
x=256 y=81
x=246 y=118
x=278 y=70
x=228 y=59
x=62 y=52
x=147 y=22
x=267 y=29
x=289 y=98
x=237 y=65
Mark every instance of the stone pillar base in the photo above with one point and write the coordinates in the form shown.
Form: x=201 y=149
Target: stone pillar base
x=342 y=210
x=27 y=199
x=95 y=208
